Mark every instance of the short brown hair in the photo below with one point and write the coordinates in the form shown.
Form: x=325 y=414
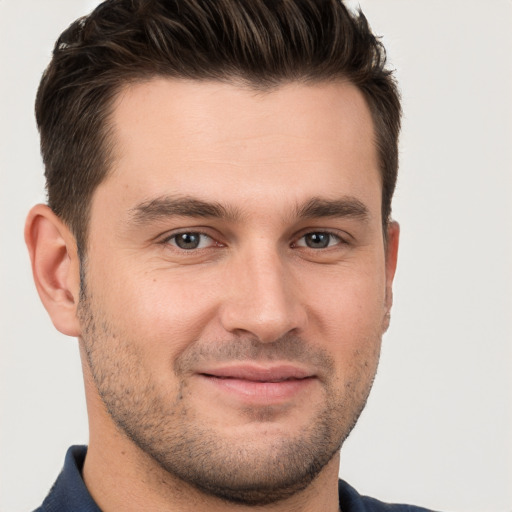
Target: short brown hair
x=262 y=43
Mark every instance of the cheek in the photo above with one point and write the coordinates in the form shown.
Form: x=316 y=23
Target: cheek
x=161 y=313
x=348 y=318
x=348 y=302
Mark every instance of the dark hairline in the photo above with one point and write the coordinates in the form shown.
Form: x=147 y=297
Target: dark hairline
x=132 y=42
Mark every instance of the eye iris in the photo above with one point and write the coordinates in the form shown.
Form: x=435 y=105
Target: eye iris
x=317 y=240
x=188 y=240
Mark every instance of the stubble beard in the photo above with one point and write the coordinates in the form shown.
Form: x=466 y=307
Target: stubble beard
x=187 y=448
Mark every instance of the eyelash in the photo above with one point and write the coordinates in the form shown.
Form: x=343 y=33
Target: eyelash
x=339 y=240
x=172 y=240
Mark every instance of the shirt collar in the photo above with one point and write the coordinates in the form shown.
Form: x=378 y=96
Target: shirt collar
x=69 y=491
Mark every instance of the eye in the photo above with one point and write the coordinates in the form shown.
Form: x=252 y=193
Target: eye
x=318 y=240
x=190 y=240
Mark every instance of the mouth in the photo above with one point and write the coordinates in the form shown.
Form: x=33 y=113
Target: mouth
x=258 y=383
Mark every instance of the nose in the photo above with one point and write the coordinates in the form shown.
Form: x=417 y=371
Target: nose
x=261 y=298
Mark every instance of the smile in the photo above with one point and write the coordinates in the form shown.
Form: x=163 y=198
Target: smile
x=260 y=384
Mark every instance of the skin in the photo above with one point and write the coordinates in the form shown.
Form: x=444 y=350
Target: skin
x=157 y=323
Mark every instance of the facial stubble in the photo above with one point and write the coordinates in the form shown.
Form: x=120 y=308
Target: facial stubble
x=172 y=433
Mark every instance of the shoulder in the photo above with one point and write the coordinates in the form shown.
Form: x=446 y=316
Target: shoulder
x=352 y=501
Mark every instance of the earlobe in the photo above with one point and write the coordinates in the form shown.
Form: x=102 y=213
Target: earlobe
x=55 y=267
x=393 y=235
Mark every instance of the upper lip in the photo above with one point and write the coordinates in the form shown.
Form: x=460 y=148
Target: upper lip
x=258 y=372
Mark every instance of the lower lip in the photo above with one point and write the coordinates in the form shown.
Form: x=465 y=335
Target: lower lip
x=261 y=391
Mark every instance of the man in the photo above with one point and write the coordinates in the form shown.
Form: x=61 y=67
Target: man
x=218 y=237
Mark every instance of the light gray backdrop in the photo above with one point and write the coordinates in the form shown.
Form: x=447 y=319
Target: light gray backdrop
x=437 y=430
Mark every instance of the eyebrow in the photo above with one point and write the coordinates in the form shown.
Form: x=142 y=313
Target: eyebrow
x=185 y=206
x=345 y=207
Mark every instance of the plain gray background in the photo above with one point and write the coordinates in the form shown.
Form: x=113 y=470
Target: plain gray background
x=438 y=427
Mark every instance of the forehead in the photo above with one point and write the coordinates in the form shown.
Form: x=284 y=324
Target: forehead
x=209 y=138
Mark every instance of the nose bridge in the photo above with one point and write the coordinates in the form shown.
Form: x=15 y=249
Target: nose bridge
x=261 y=297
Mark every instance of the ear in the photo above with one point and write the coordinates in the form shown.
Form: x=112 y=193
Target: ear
x=393 y=235
x=55 y=267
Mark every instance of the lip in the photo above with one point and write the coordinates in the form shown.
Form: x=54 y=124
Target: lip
x=259 y=383
x=258 y=372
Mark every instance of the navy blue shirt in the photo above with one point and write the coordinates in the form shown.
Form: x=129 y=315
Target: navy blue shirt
x=69 y=493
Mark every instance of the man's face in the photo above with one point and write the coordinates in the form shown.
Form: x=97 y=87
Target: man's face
x=236 y=280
